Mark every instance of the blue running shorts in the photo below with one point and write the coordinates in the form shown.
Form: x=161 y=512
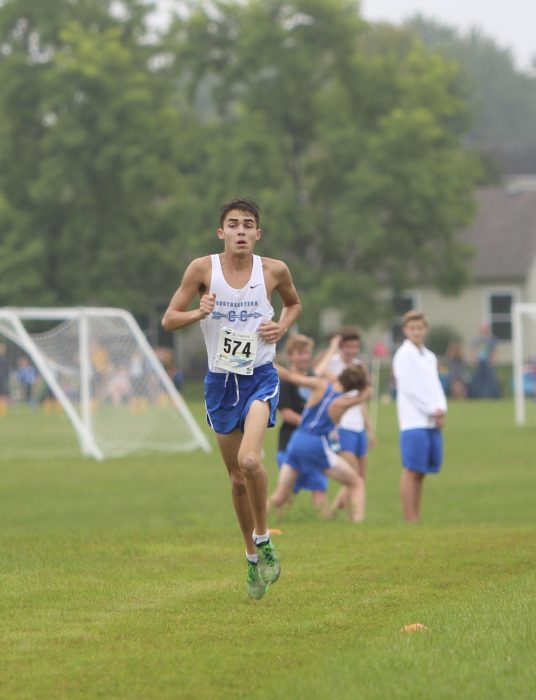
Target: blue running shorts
x=422 y=449
x=228 y=397
x=353 y=441
x=308 y=453
x=308 y=481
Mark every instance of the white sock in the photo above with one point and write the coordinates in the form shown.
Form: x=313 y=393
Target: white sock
x=260 y=539
x=253 y=558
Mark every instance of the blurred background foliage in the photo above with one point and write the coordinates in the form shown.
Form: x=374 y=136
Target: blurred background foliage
x=121 y=136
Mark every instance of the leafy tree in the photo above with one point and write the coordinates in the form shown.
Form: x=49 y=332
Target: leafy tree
x=19 y=278
x=117 y=146
x=89 y=137
x=349 y=136
x=502 y=98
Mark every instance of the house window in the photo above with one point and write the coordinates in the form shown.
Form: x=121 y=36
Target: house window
x=500 y=314
x=401 y=304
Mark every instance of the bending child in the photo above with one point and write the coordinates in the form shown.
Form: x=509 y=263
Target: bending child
x=292 y=400
x=355 y=431
x=308 y=449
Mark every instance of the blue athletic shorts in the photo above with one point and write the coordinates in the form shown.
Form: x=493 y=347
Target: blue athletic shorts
x=309 y=481
x=228 y=397
x=353 y=441
x=422 y=449
x=308 y=453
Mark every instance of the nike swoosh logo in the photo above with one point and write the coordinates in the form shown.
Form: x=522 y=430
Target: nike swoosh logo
x=252 y=286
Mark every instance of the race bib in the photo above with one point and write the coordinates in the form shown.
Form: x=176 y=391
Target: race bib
x=236 y=352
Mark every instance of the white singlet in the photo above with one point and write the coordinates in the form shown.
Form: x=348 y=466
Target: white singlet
x=352 y=418
x=241 y=310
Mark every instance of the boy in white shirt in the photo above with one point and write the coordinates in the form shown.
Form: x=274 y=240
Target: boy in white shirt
x=421 y=408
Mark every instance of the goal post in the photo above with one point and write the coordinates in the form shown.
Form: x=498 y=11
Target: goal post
x=523 y=352
x=97 y=363
x=12 y=327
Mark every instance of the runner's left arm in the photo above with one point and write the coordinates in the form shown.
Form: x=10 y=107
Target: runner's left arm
x=272 y=331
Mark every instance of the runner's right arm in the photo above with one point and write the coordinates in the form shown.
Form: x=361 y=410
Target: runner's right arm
x=194 y=282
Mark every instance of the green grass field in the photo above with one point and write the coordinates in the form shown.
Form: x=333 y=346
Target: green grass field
x=125 y=579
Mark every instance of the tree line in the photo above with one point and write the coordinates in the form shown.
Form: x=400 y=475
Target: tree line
x=119 y=140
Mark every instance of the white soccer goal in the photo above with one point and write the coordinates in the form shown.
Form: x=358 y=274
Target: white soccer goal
x=524 y=357
x=98 y=364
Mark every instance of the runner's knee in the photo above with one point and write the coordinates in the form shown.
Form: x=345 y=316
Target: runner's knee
x=238 y=481
x=250 y=463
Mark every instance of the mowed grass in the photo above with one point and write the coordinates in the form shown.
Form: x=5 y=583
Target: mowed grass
x=125 y=579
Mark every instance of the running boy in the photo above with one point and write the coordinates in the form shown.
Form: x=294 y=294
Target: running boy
x=421 y=407
x=242 y=386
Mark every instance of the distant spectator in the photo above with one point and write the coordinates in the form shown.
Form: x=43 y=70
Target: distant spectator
x=136 y=368
x=457 y=376
x=118 y=387
x=177 y=377
x=27 y=377
x=101 y=366
x=4 y=380
x=443 y=373
x=138 y=385
x=529 y=378
x=484 y=383
x=165 y=355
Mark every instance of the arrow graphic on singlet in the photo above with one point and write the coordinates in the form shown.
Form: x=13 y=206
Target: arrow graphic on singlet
x=217 y=315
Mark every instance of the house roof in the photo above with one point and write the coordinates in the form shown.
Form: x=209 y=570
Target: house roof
x=514 y=158
x=503 y=233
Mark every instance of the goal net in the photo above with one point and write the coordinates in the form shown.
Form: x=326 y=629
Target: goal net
x=524 y=361
x=97 y=365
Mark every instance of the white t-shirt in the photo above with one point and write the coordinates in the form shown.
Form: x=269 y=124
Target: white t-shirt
x=419 y=393
x=352 y=418
x=242 y=310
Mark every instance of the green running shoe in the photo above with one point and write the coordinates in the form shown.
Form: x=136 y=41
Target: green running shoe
x=255 y=585
x=269 y=566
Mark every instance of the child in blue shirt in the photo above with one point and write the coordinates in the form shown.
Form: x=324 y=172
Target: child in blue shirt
x=309 y=449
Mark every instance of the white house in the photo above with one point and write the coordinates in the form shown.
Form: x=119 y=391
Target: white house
x=503 y=236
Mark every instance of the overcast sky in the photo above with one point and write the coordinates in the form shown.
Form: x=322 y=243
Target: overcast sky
x=510 y=23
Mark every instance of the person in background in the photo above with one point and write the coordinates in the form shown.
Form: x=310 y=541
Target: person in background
x=292 y=398
x=355 y=433
x=165 y=355
x=27 y=377
x=456 y=371
x=484 y=383
x=421 y=407
x=309 y=449
x=4 y=380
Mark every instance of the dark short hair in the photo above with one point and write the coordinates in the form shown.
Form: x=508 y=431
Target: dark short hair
x=242 y=205
x=354 y=377
x=349 y=333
